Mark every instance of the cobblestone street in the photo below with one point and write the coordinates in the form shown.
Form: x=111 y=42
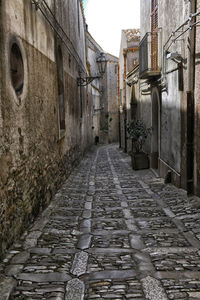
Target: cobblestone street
x=109 y=233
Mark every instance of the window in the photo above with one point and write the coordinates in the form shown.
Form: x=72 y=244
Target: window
x=120 y=97
x=154 y=30
x=61 y=90
x=16 y=69
x=135 y=62
x=81 y=102
x=154 y=15
x=116 y=67
x=78 y=16
x=133 y=103
x=69 y=61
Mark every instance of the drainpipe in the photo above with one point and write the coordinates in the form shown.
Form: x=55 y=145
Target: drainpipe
x=190 y=101
x=118 y=94
x=124 y=102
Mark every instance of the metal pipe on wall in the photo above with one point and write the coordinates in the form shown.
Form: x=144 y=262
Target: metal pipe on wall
x=191 y=23
x=190 y=100
x=124 y=103
x=118 y=93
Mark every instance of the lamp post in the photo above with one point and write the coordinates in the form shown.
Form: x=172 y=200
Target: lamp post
x=101 y=63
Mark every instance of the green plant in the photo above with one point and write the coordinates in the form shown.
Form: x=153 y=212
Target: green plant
x=138 y=133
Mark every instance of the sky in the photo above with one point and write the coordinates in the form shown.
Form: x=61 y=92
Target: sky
x=106 y=19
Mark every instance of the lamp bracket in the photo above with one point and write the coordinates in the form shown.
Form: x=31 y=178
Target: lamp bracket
x=87 y=80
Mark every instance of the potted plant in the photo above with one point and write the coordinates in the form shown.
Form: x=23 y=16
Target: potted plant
x=138 y=133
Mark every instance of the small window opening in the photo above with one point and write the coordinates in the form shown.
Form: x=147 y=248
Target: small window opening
x=78 y=13
x=61 y=89
x=69 y=61
x=16 y=69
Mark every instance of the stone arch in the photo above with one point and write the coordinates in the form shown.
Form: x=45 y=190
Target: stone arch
x=133 y=103
x=155 y=139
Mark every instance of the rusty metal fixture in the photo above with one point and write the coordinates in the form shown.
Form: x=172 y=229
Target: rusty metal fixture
x=101 y=63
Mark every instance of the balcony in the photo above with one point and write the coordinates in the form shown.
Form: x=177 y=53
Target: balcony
x=148 y=56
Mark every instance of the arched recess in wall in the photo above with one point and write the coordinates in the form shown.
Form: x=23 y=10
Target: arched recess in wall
x=155 y=139
x=61 y=98
x=133 y=103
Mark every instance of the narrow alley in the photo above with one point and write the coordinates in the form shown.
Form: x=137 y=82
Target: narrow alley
x=109 y=233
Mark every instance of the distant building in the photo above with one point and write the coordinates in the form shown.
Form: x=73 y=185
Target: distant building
x=109 y=113
x=103 y=94
x=128 y=61
x=95 y=88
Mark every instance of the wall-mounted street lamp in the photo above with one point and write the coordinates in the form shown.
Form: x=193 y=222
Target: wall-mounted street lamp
x=101 y=63
x=174 y=56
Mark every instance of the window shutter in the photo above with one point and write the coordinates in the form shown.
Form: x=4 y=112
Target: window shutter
x=154 y=38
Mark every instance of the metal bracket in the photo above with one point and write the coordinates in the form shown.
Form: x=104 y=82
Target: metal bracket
x=36 y=3
x=87 y=80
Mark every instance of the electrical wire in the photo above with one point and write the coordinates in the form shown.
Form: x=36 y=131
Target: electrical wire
x=181 y=26
x=45 y=10
x=183 y=32
x=177 y=37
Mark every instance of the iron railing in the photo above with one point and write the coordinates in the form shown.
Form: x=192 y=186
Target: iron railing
x=148 y=54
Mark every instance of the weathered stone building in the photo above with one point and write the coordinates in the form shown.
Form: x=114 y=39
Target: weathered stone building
x=169 y=89
x=45 y=121
x=128 y=93
x=95 y=88
x=103 y=93
x=109 y=113
x=48 y=115
x=196 y=75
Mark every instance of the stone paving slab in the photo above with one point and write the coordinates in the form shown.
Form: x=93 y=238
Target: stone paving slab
x=111 y=261
x=75 y=290
x=47 y=277
x=110 y=233
x=80 y=263
x=108 y=224
x=114 y=289
x=111 y=274
x=7 y=285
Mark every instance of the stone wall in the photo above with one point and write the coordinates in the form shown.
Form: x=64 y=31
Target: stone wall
x=145 y=102
x=197 y=111
x=35 y=154
x=112 y=100
x=173 y=117
x=95 y=88
x=145 y=20
x=122 y=87
x=170 y=17
x=162 y=108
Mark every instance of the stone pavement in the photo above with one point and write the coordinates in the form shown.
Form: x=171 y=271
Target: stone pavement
x=109 y=233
